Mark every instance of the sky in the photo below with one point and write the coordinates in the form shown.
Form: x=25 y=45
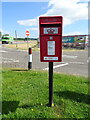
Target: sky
x=24 y=14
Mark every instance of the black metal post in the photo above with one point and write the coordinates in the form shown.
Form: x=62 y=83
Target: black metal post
x=50 y=84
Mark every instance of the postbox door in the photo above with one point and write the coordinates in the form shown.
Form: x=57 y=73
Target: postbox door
x=50 y=48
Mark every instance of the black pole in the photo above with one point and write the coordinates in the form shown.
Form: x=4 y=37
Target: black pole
x=50 y=84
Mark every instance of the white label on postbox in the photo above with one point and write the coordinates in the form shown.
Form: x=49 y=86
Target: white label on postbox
x=50 y=58
x=50 y=30
x=51 y=47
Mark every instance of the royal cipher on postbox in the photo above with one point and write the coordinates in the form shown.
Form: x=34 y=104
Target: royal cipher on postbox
x=50 y=34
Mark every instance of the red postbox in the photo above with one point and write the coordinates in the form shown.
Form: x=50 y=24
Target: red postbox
x=50 y=38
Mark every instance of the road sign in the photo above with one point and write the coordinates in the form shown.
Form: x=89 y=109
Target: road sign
x=50 y=38
x=27 y=33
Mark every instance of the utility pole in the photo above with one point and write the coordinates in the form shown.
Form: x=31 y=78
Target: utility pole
x=16 y=39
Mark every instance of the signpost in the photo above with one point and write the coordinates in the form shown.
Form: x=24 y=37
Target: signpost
x=16 y=39
x=27 y=34
x=50 y=45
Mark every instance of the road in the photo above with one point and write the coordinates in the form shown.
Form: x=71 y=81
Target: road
x=74 y=62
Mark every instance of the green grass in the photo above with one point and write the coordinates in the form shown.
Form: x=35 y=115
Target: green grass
x=25 y=95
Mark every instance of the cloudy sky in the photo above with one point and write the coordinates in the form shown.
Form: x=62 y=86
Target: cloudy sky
x=20 y=15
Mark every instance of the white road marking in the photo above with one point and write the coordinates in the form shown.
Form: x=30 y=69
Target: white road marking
x=15 y=60
x=61 y=65
x=2 y=51
x=11 y=61
x=8 y=60
x=82 y=63
x=88 y=60
x=22 y=50
x=68 y=56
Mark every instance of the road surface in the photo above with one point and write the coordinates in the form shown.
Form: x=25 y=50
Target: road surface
x=74 y=62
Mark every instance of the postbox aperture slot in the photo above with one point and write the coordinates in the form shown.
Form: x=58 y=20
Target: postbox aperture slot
x=50 y=25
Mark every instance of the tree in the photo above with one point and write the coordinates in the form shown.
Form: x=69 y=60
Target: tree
x=6 y=34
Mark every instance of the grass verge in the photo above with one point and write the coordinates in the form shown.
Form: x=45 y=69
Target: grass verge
x=22 y=46
x=25 y=95
x=34 y=46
